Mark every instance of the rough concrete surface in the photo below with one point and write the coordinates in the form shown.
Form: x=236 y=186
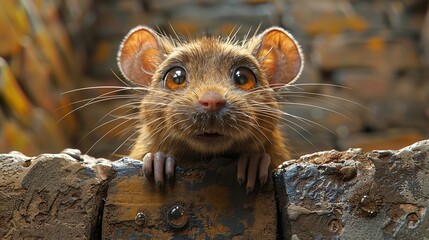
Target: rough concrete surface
x=336 y=195
x=356 y=195
x=51 y=196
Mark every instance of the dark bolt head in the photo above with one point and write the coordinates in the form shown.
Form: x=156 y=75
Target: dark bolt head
x=140 y=219
x=368 y=206
x=177 y=217
x=348 y=173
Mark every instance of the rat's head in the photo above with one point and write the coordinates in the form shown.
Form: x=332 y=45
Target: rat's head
x=210 y=93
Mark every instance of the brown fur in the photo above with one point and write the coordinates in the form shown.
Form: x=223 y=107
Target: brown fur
x=169 y=118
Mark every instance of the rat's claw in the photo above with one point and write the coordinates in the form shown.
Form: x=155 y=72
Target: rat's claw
x=159 y=165
x=158 y=169
x=252 y=172
x=264 y=164
x=242 y=168
x=169 y=167
x=252 y=166
x=147 y=164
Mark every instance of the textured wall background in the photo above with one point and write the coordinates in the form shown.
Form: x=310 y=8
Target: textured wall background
x=375 y=52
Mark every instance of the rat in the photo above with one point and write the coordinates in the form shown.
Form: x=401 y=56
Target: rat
x=209 y=97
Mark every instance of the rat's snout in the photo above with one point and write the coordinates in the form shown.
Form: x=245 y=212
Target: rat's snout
x=212 y=101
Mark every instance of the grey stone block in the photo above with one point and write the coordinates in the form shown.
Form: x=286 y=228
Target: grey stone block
x=355 y=195
x=51 y=196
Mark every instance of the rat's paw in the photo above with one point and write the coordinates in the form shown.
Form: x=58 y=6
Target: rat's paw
x=254 y=165
x=160 y=166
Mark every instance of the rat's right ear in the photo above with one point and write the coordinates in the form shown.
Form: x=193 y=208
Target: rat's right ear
x=139 y=55
x=279 y=54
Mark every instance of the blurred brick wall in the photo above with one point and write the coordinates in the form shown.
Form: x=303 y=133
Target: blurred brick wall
x=375 y=52
x=372 y=51
x=42 y=54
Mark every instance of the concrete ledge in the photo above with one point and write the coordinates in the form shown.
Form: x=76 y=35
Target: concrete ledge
x=73 y=196
x=356 y=195
x=51 y=196
x=351 y=194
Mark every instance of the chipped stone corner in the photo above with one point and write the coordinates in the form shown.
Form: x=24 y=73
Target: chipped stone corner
x=352 y=194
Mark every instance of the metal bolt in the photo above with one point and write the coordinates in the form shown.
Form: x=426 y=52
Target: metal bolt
x=348 y=173
x=140 y=219
x=177 y=217
x=368 y=206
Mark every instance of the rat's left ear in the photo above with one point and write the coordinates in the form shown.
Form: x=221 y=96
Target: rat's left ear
x=280 y=56
x=140 y=53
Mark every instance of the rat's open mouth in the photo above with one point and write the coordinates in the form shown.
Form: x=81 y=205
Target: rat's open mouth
x=210 y=135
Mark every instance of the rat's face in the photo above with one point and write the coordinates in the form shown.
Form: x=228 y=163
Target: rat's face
x=210 y=94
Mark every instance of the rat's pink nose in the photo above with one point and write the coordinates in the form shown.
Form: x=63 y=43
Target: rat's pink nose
x=212 y=101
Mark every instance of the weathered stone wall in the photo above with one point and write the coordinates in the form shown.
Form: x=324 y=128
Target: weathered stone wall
x=381 y=194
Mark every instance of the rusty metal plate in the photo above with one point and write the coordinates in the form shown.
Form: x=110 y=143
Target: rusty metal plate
x=201 y=203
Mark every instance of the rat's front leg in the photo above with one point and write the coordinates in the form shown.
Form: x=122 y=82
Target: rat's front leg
x=159 y=165
x=251 y=166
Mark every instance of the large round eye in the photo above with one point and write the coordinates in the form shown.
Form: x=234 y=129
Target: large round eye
x=175 y=78
x=244 y=78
